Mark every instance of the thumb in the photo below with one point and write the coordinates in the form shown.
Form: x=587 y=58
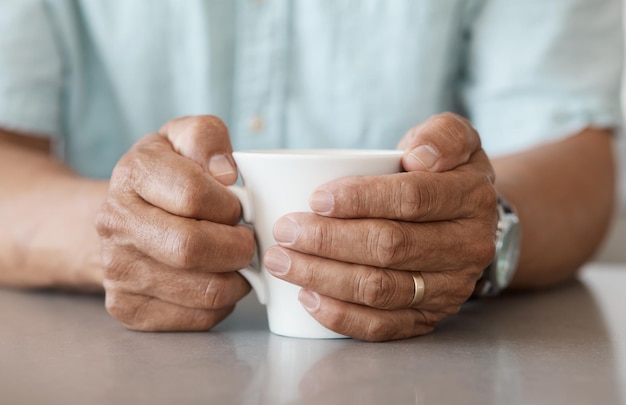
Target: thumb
x=205 y=140
x=441 y=143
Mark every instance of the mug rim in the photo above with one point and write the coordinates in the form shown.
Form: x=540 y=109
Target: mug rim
x=321 y=153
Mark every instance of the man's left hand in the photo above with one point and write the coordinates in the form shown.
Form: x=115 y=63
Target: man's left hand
x=355 y=256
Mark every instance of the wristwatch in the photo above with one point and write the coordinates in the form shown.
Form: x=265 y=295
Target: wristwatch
x=497 y=276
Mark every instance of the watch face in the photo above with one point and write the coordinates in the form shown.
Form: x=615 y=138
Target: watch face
x=508 y=254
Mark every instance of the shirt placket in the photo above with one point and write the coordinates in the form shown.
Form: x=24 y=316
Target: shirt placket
x=260 y=76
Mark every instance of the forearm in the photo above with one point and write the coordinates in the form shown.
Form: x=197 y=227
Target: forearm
x=47 y=214
x=564 y=194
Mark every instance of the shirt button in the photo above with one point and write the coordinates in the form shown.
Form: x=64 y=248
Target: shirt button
x=256 y=124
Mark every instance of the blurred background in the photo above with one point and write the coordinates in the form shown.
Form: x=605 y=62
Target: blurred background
x=614 y=248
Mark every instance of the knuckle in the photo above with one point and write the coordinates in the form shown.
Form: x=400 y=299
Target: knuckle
x=339 y=321
x=184 y=247
x=123 y=169
x=136 y=160
x=199 y=319
x=188 y=203
x=432 y=318
x=451 y=291
x=482 y=248
x=321 y=237
x=119 y=270
x=133 y=166
x=378 y=330
x=464 y=283
x=112 y=303
x=377 y=289
x=106 y=220
x=213 y=293
x=246 y=245
x=458 y=132
x=197 y=127
x=209 y=121
x=483 y=200
x=170 y=124
x=417 y=199
x=452 y=310
x=487 y=250
x=110 y=263
x=109 y=224
x=131 y=313
x=423 y=322
x=351 y=198
x=389 y=244
x=451 y=126
x=465 y=292
x=111 y=218
x=448 y=116
x=486 y=196
x=310 y=276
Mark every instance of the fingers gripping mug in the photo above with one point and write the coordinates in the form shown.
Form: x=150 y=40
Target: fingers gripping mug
x=277 y=182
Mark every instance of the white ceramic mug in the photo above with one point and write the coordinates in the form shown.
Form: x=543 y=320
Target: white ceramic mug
x=277 y=182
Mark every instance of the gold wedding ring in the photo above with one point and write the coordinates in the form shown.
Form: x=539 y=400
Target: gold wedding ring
x=418 y=282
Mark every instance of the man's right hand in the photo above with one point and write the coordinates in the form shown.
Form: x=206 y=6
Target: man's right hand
x=170 y=240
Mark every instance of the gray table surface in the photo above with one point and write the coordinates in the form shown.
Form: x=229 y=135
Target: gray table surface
x=563 y=346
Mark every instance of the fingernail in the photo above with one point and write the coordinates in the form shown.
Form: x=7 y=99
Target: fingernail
x=310 y=300
x=285 y=230
x=425 y=155
x=321 y=201
x=276 y=262
x=220 y=165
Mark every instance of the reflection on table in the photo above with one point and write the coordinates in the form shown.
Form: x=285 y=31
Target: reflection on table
x=560 y=346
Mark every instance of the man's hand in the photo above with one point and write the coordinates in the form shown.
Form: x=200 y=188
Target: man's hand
x=354 y=256
x=171 y=243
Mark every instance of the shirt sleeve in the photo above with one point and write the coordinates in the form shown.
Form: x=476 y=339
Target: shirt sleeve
x=30 y=69
x=541 y=70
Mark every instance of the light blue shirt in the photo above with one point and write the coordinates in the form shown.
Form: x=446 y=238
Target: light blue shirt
x=97 y=75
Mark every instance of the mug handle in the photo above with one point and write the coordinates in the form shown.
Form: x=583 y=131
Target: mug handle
x=254 y=276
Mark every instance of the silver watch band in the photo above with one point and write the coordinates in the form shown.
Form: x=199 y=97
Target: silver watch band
x=497 y=276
